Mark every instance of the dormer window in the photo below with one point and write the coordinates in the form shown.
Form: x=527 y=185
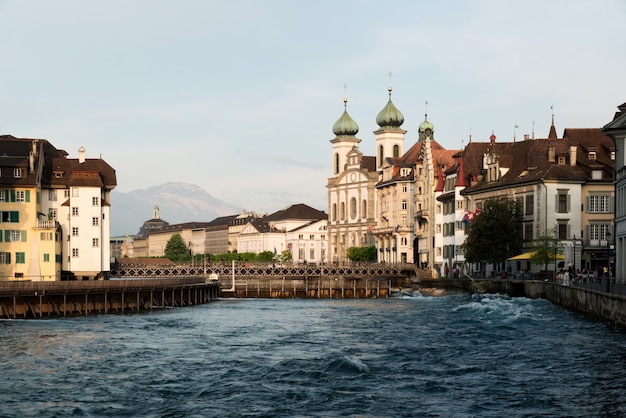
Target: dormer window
x=592 y=155
x=17 y=173
x=58 y=174
x=561 y=160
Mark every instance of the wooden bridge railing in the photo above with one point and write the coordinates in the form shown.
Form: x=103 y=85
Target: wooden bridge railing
x=259 y=271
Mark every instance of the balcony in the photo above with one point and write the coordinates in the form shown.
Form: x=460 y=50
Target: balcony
x=46 y=224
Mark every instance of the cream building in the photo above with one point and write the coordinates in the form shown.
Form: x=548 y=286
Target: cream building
x=57 y=212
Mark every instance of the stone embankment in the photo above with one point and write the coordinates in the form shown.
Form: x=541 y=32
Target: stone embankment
x=604 y=302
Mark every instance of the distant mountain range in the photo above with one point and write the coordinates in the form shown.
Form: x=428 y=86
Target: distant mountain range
x=177 y=202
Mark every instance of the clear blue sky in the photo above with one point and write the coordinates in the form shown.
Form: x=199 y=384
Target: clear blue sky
x=239 y=97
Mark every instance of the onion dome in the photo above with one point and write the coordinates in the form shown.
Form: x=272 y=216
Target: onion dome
x=426 y=125
x=345 y=126
x=390 y=116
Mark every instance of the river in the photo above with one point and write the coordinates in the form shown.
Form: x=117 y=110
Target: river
x=452 y=356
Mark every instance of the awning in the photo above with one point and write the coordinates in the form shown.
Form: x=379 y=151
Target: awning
x=526 y=256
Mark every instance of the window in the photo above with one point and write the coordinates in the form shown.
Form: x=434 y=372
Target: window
x=46 y=236
x=352 y=208
x=95 y=201
x=336 y=163
x=66 y=193
x=404 y=205
x=300 y=236
x=312 y=254
x=17 y=173
x=52 y=195
x=396 y=151
x=74 y=231
x=563 y=227
x=530 y=204
x=20 y=196
x=311 y=237
x=592 y=155
x=20 y=258
x=364 y=209
x=380 y=155
x=404 y=188
x=562 y=202
x=74 y=211
x=599 y=204
x=74 y=252
x=323 y=237
x=95 y=242
x=52 y=214
x=94 y=221
x=3 y=195
x=46 y=258
x=9 y=216
x=13 y=235
x=5 y=258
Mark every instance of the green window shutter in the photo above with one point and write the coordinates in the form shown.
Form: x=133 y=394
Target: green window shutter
x=27 y=195
x=14 y=216
x=23 y=235
x=8 y=258
x=0 y=236
x=41 y=236
x=7 y=235
x=12 y=195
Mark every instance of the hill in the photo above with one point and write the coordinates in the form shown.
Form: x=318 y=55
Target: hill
x=177 y=202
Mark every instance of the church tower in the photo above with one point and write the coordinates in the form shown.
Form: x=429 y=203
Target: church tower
x=345 y=130
x=389 y=137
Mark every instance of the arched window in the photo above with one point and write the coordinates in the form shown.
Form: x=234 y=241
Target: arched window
x=396 y=151
x=353 y=208
x=381 y=155
x=336 y=163
x=343 y=211
x=364 y=209
x=334 y=212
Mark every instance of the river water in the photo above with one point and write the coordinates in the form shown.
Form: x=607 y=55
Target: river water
x=451 y=356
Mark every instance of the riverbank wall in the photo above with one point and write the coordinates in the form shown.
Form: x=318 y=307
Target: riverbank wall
x=594 y=303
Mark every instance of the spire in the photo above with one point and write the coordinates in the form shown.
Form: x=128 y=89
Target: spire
x=461 y=181
x=439 y=187
x=552 y=134
x=426 y=126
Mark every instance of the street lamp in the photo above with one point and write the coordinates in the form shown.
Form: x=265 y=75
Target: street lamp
x=574 y=251
x=608 y=252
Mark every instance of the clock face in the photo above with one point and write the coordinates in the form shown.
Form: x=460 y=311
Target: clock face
x=352 y=176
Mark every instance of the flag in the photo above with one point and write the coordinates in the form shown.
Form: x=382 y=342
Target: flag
x=469 y=217
x=397 y=228
x=370 y=230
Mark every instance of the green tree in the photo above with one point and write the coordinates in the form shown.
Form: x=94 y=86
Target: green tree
x=361 y=254
x=546 y=248
x=176 y=249
x=284 y=256
x=496 y=233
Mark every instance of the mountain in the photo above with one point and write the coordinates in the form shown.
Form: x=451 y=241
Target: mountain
x=177 y=202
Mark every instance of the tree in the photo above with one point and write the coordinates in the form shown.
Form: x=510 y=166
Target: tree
x=361 y=254
x=546 y=248
x=176 y=249
x=284 y=256
x=495 y=234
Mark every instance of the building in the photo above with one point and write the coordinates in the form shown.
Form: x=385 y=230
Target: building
x=299 y=229
x=351 y=190
x=563 y=186
x=55 y=212
x=616 y=130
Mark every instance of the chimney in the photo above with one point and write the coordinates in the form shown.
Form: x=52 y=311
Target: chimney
x=572 y=156
x=81 y=155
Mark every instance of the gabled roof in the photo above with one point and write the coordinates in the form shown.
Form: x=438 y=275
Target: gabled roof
x=298 y=211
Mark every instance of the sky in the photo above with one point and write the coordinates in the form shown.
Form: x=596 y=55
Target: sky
x=239 y=97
